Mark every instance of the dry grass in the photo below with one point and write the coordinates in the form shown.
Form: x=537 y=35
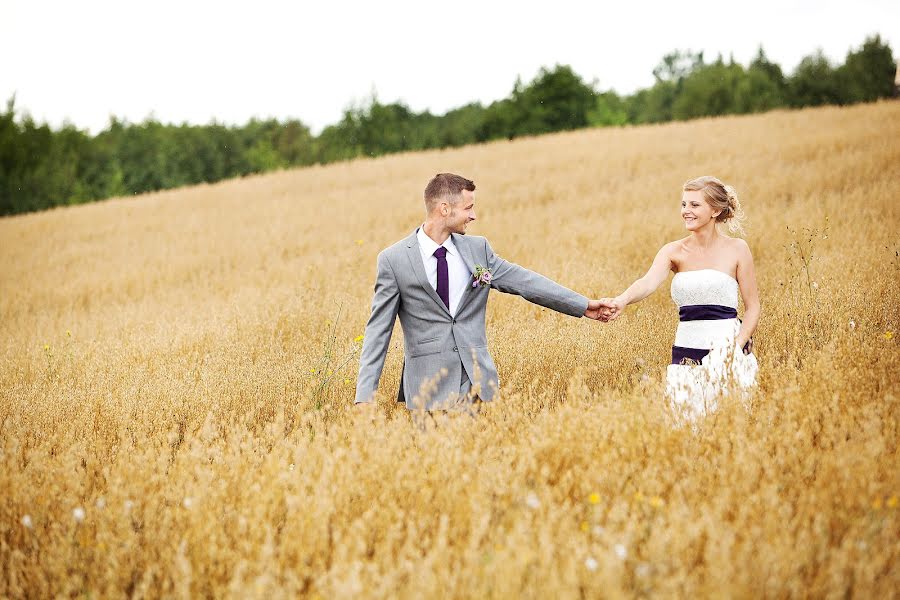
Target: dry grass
x=162 y=374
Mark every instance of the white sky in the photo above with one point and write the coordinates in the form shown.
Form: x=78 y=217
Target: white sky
x=198 y=60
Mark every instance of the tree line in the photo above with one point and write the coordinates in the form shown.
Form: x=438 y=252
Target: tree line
x=41 y=167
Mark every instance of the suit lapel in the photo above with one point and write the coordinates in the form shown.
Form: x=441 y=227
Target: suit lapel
x=414 y=254
x=461 y=244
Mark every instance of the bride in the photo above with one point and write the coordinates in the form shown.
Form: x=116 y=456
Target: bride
x=712 y=349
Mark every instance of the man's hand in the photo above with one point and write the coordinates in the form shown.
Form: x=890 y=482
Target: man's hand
x=599 y=310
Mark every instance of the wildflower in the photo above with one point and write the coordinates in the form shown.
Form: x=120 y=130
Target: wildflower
x=188 y=502
x=892 y=501
x=359 y=338
x=68 y=333
x=78 y=514
x=815 y=285
x=591 y=563
x=291 y=468
x=584 y=526
x=313 y=371
x=532 y=500
x=359 y=242
x=620 y=551
x=638 y=497
x=101 y=503
x=26 y=521
x=46 y=347
x=594 y=498
x=888 y=335
x=656 y=501
x=346 y=381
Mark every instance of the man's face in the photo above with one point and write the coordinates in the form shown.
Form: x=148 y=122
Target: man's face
x=461 y=213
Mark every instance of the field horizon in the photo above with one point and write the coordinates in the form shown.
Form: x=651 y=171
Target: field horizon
x=177 y=372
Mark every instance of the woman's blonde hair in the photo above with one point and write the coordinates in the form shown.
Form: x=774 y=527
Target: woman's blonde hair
x=721 y=197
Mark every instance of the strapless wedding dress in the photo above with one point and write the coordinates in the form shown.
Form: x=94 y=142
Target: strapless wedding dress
x=705 y=362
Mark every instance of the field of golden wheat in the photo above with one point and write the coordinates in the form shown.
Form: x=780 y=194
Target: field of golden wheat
x=177 y=372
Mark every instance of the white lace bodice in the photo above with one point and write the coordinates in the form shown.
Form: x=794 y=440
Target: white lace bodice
x=704 y=286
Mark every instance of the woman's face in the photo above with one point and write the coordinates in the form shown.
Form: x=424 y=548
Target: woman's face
x=696 y=211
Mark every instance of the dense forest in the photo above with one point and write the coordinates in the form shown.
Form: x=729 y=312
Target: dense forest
x=41 y=167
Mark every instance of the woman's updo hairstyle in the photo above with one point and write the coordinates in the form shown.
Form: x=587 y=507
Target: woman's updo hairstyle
x=720 y=197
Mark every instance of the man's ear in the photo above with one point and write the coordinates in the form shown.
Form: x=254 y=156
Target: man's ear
x=445 y=209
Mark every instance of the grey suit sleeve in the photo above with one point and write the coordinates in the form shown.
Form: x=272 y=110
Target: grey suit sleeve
x=385 y=304
x=512 y=279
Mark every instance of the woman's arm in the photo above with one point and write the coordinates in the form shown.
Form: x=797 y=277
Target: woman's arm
x=746 y=277
x=644 y=286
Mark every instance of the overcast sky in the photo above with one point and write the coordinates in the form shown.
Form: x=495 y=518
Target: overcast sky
x=198 y=60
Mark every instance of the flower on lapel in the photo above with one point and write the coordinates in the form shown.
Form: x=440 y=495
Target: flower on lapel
x=481 y=276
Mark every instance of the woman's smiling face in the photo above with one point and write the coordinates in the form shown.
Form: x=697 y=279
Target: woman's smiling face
x=696 y=211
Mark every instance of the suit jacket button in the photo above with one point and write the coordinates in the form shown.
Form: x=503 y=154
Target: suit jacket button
x=454 y=321
x=455 y=349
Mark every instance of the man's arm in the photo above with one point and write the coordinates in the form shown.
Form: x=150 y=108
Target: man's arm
x=385 y=304
x=512 y=279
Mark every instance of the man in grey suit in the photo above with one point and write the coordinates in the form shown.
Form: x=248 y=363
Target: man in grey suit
x=437 y=281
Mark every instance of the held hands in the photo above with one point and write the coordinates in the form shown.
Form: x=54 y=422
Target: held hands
x=604 y=309
x=616 y=307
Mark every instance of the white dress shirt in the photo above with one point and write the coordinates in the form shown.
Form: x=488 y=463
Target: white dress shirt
x=458 y=274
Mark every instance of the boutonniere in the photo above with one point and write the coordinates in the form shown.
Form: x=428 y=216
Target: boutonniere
x=481 y=276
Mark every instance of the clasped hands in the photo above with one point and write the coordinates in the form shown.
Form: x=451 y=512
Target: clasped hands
x=604 y=309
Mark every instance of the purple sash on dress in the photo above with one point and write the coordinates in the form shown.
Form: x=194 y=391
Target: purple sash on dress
x=700 y=312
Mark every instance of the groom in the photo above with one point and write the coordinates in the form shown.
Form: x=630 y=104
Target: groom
x=437 y=281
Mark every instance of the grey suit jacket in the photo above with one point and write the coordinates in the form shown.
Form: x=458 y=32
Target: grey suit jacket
x=437 y=346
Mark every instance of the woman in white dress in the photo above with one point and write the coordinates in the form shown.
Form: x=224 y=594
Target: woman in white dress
x=712 y=349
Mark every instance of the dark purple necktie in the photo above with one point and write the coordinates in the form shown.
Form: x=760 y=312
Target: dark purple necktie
x=443 y=275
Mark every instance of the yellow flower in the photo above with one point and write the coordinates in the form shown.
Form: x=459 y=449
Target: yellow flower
x=656 y=501
x=346 y=381
x=892 y=501
x=639 y=497
x=358 y=338
x=68 y=333
x=584 y=526
x=47 y=347
x=594 y=498
x=359 y=242
x=888 y=335
x=313 y=371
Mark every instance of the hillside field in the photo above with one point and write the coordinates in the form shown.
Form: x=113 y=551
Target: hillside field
x=177 y=372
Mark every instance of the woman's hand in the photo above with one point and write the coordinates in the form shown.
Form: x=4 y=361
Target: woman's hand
x=615 y=307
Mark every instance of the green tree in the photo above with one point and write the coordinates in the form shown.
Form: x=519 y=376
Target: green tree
x=763 y=88
x=609 y=109
x=814 y=82
x=868 y=73
x=708 y=90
